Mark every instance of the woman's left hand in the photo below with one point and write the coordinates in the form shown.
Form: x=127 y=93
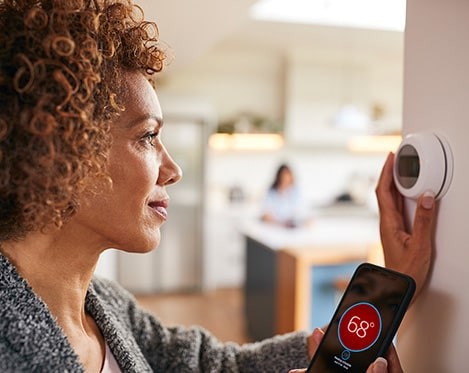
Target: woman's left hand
x=313 y=341
x=389 y=365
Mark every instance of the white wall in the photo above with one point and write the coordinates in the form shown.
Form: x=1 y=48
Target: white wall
x=436 y=97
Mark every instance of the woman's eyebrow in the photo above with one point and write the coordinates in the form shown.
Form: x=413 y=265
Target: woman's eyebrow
x=146 y=118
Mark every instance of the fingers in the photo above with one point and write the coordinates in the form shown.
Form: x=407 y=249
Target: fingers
x=313 y=341
x=420 y=245
x=380 y=365
x=424 y=216
x=394 y=365
x=389 y=199
x=389 y=365
x=385 y=181
x=317 y=335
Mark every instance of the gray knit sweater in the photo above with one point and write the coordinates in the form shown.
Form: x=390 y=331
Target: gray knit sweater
x=32 y=341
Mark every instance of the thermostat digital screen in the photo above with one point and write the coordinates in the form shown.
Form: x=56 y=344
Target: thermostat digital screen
x=409 y=166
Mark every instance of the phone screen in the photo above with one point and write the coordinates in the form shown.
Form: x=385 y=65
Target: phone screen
x=365 y=321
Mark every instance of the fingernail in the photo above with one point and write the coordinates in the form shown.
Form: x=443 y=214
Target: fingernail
x=380 y=365
x=428 y=200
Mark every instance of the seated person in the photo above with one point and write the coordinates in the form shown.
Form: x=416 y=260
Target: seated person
x=283 y=204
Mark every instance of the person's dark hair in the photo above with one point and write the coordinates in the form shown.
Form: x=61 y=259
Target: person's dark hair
x=60 y=67
x=282 y=168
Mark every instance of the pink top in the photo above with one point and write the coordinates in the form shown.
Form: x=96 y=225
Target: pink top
x=110 y=364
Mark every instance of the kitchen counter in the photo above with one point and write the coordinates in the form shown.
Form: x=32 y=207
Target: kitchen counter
x=324 y=230
x=287 y=270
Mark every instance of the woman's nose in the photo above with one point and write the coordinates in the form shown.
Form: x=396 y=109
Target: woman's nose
x=170 y=172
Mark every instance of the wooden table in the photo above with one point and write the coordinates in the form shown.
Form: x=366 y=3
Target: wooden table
x=294 y=282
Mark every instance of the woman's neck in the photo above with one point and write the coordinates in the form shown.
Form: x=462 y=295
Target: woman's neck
x=60 y=271
x=57 y=272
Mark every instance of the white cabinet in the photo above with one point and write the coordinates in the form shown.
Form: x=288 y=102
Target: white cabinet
x=225 y=246
x=327 y=101
x=315 y=94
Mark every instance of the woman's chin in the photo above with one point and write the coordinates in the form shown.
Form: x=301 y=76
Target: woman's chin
x=140 y=247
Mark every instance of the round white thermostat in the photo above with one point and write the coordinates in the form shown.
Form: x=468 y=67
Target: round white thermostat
x=423 y=162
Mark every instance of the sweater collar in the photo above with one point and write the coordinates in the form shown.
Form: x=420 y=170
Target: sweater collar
x=126 y=350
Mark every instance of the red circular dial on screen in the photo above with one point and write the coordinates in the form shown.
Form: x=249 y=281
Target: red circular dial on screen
x=359 y=327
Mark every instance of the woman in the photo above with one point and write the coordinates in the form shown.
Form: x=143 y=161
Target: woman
x=83 y=169
x=283 y=204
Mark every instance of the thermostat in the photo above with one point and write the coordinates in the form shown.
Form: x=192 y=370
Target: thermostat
x=423 y=162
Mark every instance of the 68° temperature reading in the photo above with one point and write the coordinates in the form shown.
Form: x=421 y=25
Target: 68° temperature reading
x=359 y=327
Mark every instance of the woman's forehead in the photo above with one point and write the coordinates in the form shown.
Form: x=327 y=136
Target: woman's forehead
x=139 y=98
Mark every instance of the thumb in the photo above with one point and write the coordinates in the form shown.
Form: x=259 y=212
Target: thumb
x=317 y=335
x=379 y=366
x=424 y=217
x=313 y=341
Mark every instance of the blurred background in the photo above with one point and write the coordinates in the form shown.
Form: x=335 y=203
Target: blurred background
x=316 y=84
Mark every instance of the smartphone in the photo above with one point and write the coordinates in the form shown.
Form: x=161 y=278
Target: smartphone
x=365 y=321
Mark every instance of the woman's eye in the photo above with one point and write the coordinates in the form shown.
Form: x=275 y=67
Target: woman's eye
x=150 y=138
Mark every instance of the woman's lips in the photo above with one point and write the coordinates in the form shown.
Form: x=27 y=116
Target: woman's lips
x=160 y=207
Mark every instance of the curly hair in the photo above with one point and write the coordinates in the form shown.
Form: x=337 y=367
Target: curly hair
x=60 y=67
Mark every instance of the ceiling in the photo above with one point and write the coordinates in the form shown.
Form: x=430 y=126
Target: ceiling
x=191 y=28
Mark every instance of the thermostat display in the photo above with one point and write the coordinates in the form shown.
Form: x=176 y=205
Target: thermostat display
x=409 y=166
x=423 y=162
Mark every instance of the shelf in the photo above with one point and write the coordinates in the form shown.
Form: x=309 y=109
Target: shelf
x=246 y=141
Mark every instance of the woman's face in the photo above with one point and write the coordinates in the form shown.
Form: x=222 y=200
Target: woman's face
x=130 y=214
x=285 y=179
